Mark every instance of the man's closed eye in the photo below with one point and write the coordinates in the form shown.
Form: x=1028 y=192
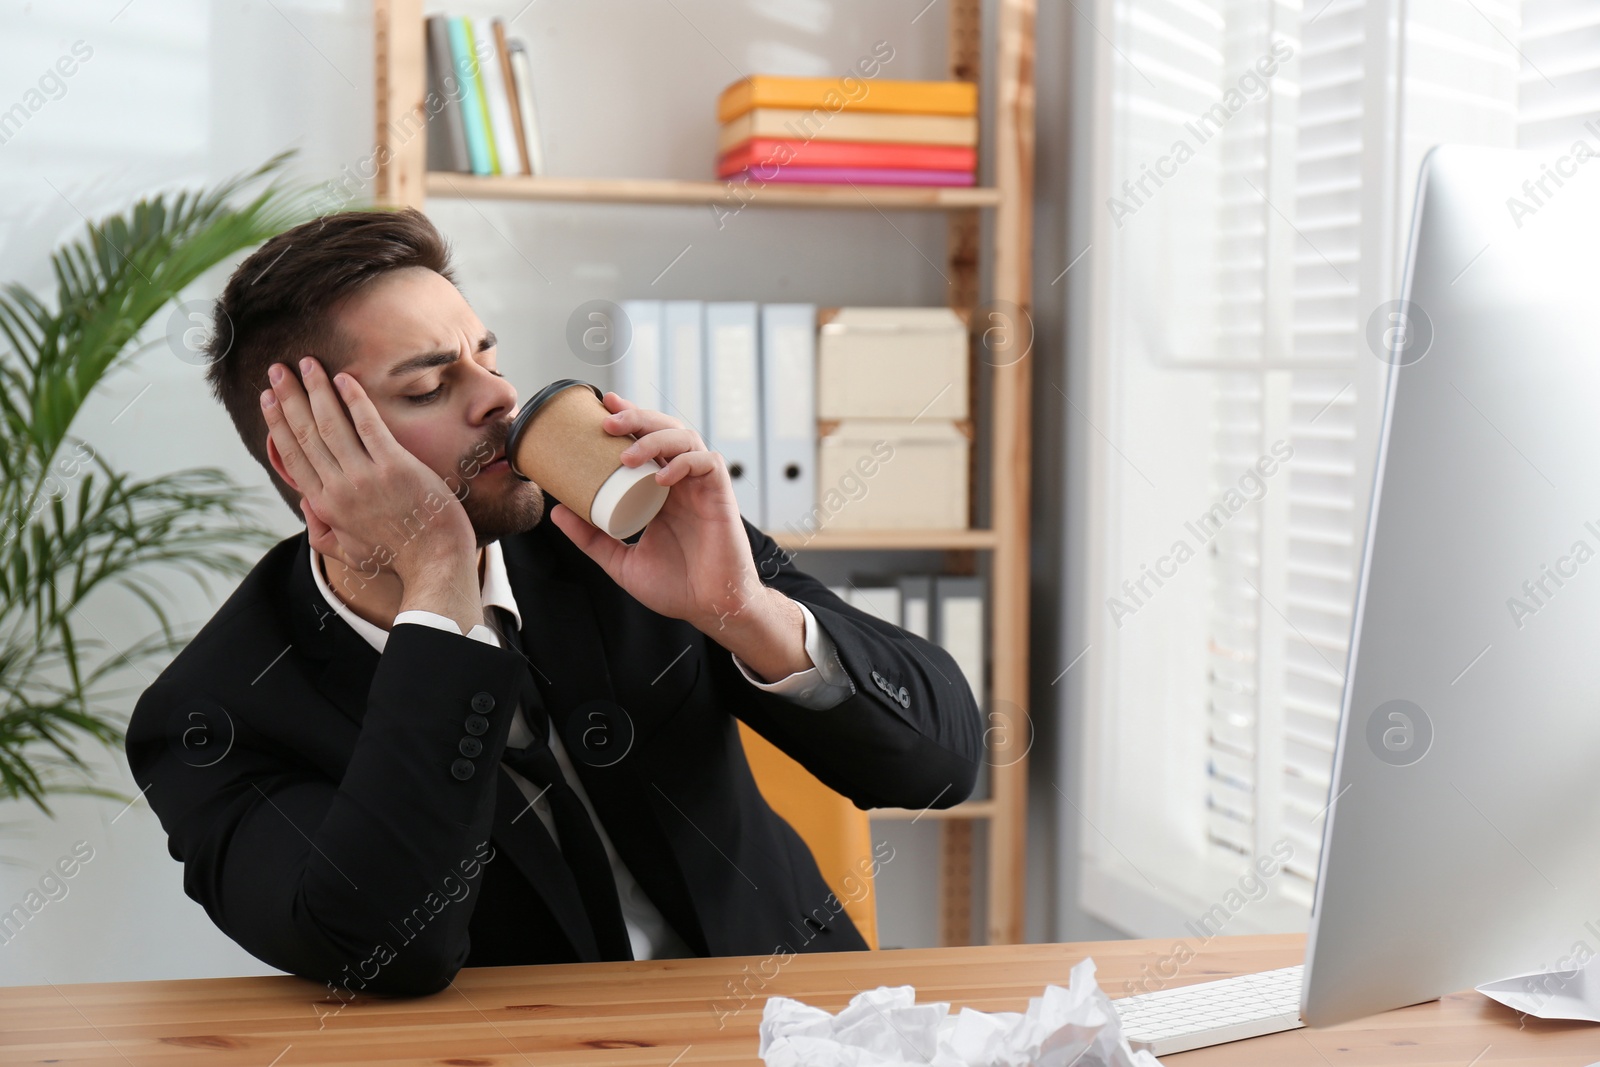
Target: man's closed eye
x=433 y=394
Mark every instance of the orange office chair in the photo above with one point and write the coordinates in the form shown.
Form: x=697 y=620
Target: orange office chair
x=833 y=828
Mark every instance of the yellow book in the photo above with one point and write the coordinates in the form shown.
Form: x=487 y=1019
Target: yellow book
x=855 y=94
x=794 y=125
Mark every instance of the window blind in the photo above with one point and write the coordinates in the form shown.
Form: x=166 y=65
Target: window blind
x=1241 y=281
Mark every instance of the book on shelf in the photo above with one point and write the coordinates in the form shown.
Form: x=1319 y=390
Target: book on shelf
x=497 y=106
x=871 y=132
x=481 y=110
x=475 y=59
x=522 y=75
x=863 y=176
x=783 y=123
x=490 y=107
x=762 y=151
x=464 y=96
x=447 y=136
x=878 y=94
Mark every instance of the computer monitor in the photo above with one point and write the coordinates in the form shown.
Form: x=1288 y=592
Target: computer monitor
x=1462 y=843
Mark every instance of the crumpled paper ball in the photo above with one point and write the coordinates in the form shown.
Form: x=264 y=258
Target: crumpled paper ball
x=886 y=1027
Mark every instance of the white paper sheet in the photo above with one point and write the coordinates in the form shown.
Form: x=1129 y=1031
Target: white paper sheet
x=885 y=1027
x=1573 y=994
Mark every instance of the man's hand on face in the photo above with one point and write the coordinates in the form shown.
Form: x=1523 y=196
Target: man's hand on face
x=359 y=486
x=693 y=560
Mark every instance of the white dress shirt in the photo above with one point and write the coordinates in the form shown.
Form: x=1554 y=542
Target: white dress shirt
x=648 y=930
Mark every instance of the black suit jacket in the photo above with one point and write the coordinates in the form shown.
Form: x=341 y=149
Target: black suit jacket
x=332 y=818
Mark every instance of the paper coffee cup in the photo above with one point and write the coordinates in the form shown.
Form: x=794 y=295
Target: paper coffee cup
x=559 y=441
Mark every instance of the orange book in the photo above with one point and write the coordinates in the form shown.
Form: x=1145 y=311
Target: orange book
x=847 y=94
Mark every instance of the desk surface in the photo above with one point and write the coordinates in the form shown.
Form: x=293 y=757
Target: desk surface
x=682 y=1012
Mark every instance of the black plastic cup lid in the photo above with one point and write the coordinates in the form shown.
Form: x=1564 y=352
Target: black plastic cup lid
x=524 y=417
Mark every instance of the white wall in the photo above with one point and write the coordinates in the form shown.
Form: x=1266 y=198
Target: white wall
x=179 y=92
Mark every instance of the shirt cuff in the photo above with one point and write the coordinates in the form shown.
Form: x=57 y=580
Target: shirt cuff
x=823 y=685
x=479 y=632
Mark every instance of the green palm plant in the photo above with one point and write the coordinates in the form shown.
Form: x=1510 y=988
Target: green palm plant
x=74 y=524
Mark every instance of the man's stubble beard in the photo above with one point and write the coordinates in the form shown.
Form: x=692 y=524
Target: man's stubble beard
x=516 y=509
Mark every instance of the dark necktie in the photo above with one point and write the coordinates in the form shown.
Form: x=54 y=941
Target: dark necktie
x=580 y=842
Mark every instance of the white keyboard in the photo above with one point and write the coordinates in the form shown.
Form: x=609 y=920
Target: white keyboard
x=1211 y=1013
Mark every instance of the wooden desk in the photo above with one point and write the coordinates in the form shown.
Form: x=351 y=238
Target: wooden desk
x=662 y=1013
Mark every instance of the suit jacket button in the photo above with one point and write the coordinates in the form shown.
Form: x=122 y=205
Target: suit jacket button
x=471 y=746
x=482 y=703
x=463 y=769
x=477 y=724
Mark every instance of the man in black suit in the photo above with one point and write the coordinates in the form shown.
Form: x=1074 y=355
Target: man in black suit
x=435 y=730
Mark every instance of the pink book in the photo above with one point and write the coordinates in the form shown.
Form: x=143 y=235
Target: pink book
x=859 y=175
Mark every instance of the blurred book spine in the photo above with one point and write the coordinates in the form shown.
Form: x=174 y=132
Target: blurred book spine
x=481 y=117
x=848 y=131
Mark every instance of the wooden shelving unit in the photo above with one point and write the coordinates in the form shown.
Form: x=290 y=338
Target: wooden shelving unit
x=403 y=180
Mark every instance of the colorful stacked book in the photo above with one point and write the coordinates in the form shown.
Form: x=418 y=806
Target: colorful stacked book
x=480 y=99
x=878 y=132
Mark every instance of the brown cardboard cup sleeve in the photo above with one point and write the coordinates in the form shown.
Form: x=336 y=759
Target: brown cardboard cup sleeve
x=559 y=441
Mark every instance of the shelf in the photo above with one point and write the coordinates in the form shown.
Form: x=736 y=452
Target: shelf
x=885 y=540
x=721 y=194
x=985 y=258
x=970 y=809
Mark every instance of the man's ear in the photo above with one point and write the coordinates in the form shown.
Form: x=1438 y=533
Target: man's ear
x=276 y=459
x=321 y=534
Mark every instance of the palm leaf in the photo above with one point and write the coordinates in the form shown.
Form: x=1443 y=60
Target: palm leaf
x=76 y=527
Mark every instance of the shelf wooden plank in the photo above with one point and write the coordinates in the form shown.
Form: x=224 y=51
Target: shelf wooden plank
x=1011 y=453
x=885 y=540
x=724 y=195
x=971 y=809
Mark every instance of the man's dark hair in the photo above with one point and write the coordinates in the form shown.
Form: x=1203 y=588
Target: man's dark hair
x=280 y=306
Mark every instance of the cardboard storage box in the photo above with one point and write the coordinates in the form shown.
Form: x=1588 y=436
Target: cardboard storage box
x=893 y=474
x=892 y=363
